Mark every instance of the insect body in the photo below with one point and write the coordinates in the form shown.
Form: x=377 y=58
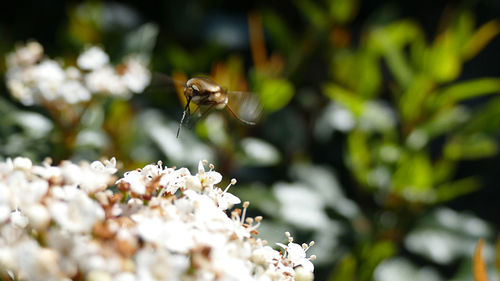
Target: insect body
x=204 y=92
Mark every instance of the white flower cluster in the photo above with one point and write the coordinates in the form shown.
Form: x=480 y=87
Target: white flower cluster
x=65 y=223
x=33 y=78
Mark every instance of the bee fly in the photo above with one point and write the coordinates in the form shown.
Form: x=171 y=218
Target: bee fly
x=202 y=91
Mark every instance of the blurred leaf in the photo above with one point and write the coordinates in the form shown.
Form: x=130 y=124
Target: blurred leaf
x=313 y=12
x=261 y=198
x=401 y=269
x=465 y=90
x=445 y=121
x=497 y=256
x=372 y=255
x=479 y=265
x=463 y=27
x=413 y=176
x=443 y=59
x=443 y=170
x=485 y=119
x=345 y=270
x=412 y=99
x=345 y=97
x=481 y=38
x=343 y=11
x=387 y=40
x=275 y=93
x=390 y=41
x=142 y=40
x=358 y=155
x=258 y=152
x=85 y=22
x=395 y=35
x=179 y=58
x=368 y=76
x=279 y=33
x=452 y=190
x=444 y=235
x=360 y=72
x=472 y=146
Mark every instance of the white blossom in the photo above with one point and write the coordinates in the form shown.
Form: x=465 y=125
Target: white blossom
x=93 y=58
x=33 y=78
x=135 y=75
x=161 y=224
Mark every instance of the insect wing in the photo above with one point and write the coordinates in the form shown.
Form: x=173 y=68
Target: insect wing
x=245 y=105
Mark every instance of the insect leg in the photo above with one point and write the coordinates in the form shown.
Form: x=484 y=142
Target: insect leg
x=186 y=109
x=237 y=117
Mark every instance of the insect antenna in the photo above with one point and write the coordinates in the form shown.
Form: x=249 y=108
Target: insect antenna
x=186 y=109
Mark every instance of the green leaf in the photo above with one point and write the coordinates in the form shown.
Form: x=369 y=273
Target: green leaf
x=275 y=94
x=278 y=31
x=473 y=146
x=443 y=170
x=345 y=97
x=485 y=119
x=412 y=99
x=313 y=12
x=343 y=11
x=394 y=55
x=463 y=28
x=481 y=38
x=465 y=90
x=443 y=60
x=447 y=120
x=414 y=176
x=451 y=190
x=359 y=155
x=373 y=255
x=367 y=78
x=345 y=270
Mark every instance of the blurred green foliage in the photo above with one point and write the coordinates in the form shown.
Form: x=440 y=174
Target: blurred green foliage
x=368 y=120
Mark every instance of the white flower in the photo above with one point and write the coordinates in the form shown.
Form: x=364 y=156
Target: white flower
x=38 y=216
x=107 y=81
x=4 y=202
x=89 y=177
x=18 y=219
x=265 y=255
x=75 y=211
x=107 y=166
x=303 y=274
x=93 y=58
x=136 y=76
x=136 y=181
x=33 y=79
x=297 y=255
x=207 y=179
x=22 y=163
x=158 y=234
x=73 y=92
x=25 y=55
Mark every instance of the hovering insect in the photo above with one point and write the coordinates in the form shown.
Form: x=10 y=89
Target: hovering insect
x=202 y=91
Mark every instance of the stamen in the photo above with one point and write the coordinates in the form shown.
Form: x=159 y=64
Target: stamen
x=245 y=206
x=233 y=182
